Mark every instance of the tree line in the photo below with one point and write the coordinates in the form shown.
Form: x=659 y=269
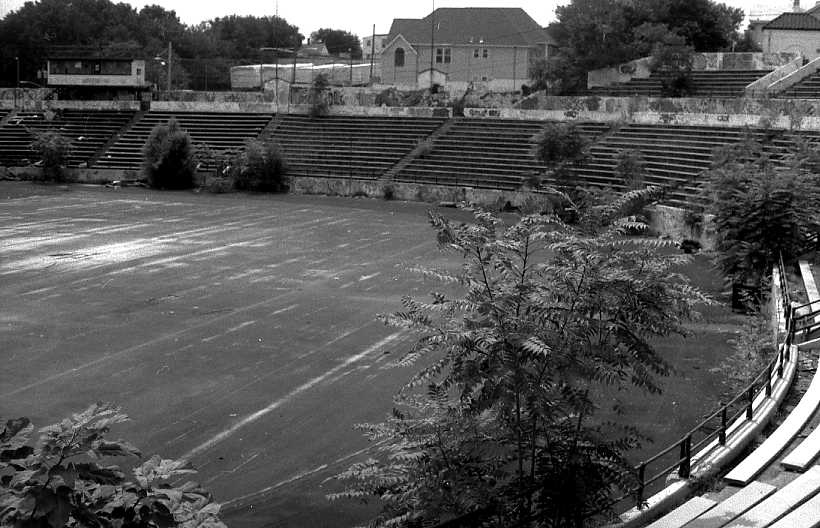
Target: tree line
x=593 y=34
x=203 y=53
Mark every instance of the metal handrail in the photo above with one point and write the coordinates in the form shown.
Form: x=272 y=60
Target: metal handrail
x=774 y=370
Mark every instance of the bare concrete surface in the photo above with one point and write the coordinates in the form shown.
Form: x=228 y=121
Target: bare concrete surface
x=235 y=330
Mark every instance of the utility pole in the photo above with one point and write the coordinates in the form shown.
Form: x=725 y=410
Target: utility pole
x=170 y=54
x=18 y=71
x=432 y=42
x=373 y=50
x=350 y=54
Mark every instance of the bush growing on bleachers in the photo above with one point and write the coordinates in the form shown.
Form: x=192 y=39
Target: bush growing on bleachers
x=560 y=146
x=54 y=150
x=260 y=167
x=169 y=157
x=630 y=168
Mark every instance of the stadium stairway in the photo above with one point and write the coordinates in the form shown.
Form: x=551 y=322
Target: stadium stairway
x=711 y=83
x=88 y=130
x=808 y=88
x=482 y=153
x=214 y=130
x=356 y=147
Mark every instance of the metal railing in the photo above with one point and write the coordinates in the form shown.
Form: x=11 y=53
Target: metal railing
x=718 y=423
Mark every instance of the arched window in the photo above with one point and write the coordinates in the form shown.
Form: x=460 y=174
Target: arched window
x=398 y=61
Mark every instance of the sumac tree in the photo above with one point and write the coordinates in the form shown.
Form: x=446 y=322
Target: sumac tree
x=539 y=319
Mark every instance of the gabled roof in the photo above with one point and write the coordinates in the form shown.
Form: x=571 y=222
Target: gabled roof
x=491 y=26
x=795 y=22
x=814 y=10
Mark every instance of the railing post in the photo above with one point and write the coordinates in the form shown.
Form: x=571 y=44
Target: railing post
x=723 y=420
x=750 y=402
x=769 y=380
x=641 y=473
x=685 y=457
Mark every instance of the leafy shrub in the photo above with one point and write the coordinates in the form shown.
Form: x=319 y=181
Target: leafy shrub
x=260 y=167
x=54 y=150
x=560 y=146
x=61 y=482
x=759 y=210
x=318 y=96
x=218 y=185
x=543 y=317
x=673 y=64
x=169 y=157
x=630 y=167
x=389 y=191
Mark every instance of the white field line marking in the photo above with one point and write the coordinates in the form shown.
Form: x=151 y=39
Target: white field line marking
x=229 y=330
x=307 y=473
x=235 y=328
x=295 y=392
x=134 y=348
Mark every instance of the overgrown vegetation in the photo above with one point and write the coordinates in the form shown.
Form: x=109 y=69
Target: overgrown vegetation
x=169 y=157
x=752 y=349
x=62 y=480
x=630 y=168
x=54 y=150
x=760 y=208
x=537 y=315
x=318 y=96
x=672 y=63
x=560 y=147
x=260 y=167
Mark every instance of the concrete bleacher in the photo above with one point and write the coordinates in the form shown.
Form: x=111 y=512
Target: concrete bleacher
x=88 y=130
x=359 y=147
x=710 y=83
x=217 y=130
x=483 y=153
x=758 y=505
x=808 y=88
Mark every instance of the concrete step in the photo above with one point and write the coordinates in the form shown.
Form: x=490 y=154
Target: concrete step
x=805 y=516
x=782 y=502
x=728 y=510
x=691 y=509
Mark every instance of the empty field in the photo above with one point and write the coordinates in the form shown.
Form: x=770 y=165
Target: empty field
x=235 y=330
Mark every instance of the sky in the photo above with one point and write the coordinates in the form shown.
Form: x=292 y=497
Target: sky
x=359 y=16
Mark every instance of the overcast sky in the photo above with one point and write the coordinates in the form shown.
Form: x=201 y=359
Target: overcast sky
x=358 y=16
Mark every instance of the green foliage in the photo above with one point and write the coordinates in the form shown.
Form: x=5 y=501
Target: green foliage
x=169 y=158
x=630 y=167
x=540 y=316
x=260 y=167
x=595 y=34
x=752 y=349
x=560 y=146
x=338 y=41
x=53 y=149
x=673 y=64
x=760 y=209
x=62 y=482
x=319 y=89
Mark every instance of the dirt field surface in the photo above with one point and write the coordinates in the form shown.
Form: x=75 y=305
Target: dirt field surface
x=237 y=331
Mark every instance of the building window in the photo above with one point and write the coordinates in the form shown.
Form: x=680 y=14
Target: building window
x=476 y=53
x=481 y=53
x=398 y=60
x=485 y=53
x=443 y=55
